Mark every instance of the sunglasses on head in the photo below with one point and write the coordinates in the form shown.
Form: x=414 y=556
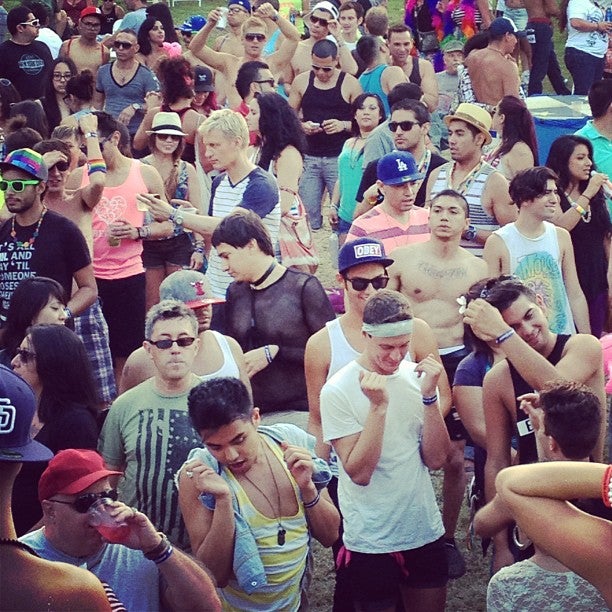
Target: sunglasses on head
x=323 y=68
x=25 y=355
x=361 y=284
x=319 y=20
x=16 y=186
x=119 y=44
x=84 y=502
x=257 y=37
x=405 y=126
x=166 y=343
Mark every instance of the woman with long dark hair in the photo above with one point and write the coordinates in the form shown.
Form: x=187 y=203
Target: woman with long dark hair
x=162 y=13
x=153 y=45
x=585 y=215
x=79 y=97
x=53 y=360
x=37 y=300
x=34 y=116
x=518 y=148
x=8 y=96
x=56 y=109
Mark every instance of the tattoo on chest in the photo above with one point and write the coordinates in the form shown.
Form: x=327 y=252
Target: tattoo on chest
x=441 y=273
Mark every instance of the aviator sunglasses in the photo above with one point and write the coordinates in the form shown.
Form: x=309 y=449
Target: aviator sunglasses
x=84 y=502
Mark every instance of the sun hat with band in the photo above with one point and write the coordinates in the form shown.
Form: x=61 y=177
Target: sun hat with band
x=362 y=251
x=474 y=115
x=167 y=123
x=17 y=408
x=28 y=161
x=72 y=471
x=190 y=287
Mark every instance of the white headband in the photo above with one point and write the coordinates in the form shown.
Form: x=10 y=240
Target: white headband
x=388 y=330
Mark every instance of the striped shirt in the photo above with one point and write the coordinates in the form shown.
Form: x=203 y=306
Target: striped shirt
x=378 y=224
x=258 y=192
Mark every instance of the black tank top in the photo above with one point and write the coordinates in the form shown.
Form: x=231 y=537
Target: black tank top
x=320 y=104
x=527 y=446
x=415 y=75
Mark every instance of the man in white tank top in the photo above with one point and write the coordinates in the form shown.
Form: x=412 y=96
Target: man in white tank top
x=539 y=253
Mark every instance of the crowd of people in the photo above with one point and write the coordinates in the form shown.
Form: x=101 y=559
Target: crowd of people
x=184 y=405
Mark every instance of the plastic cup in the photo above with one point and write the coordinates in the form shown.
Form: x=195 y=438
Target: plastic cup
x=106 y=525
x=222 y=23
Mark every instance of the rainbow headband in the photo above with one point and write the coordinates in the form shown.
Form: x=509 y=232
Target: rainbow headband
x=388 y=330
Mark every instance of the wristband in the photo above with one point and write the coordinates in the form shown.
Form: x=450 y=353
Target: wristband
x=96 y=165
x=582 y=195
x=160 y=549
x=579 y=209
x=139 y=233
x=91 y=135
x=164 y=556
x=268 y=353
x=68 y=312
x=504 y=336
x=199 y=250
x=606 y=487
x=314 y=502
x=428 y=401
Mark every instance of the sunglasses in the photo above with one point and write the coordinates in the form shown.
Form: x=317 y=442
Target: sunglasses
x=119 y=44
x=5 y=82
x=166 y=343
x=84 y=502
x=172 y=137
x=62 y=166
x=361 y=284
x=323 y=68
x=257 y=37
x=24 y=355
x=16 y=186
x=35 y=23
x=405 y=126
x=319 y=20
x=269 y=82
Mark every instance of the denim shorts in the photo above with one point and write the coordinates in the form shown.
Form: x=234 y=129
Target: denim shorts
x=175 y=251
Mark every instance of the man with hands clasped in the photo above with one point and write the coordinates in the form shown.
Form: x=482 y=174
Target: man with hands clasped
x=381 y=415
x=252 y=498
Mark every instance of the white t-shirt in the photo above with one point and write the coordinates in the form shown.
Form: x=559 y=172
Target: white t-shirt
x=594 y=43
x=397 y=510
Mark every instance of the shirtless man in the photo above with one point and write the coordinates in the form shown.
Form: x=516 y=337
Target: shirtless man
x=219 y=355
x=84 y=50
x=511 y=315
x=254 y=35
x=322 y=22
x=543 y=57
x=493 y=71
x=238 y=11
x=418 y=71
x=485 y=189
x=433 y=275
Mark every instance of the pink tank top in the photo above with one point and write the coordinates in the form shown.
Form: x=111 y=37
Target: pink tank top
x=119 y=202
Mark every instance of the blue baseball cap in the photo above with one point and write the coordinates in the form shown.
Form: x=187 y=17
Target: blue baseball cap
x=398 y=167
x=245 y=4
x=17 y=408
x=362 y=251
x=193 y=24
x=505 y=25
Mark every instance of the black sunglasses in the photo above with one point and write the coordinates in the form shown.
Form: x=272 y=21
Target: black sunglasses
x=25 y=355
x=319 y=20
x=405 y=126
x=323 y=68
x=118 y=44
x=166 y=343
x=62 y=166
x=257 y=37
x=84 y=502
x=361 y=284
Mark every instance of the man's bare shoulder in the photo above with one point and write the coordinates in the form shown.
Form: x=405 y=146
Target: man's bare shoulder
x=404 y=255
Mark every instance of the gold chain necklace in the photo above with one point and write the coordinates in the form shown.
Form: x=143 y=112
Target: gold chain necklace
x=280 y=535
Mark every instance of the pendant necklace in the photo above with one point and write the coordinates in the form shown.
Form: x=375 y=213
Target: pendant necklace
x=28 y=244
x=280 y=535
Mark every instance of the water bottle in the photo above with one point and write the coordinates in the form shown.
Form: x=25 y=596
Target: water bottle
x=606 y=186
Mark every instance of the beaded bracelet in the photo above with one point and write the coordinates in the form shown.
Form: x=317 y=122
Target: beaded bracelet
x=504 y=336
x=314 y=502
x=268 y=354
x=606 y=487
x=428 y=401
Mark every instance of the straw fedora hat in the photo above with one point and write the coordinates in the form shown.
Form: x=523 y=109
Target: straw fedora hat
x=474 y=115
x=167 y=123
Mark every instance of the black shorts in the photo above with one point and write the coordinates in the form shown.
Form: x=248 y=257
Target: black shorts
x=175 y=251
x=454 y=426
x=376 y=578
x=123 y=305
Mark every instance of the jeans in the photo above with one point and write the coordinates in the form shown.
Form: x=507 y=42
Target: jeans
x=544 y=60
x=319 y=173
x=584 y=68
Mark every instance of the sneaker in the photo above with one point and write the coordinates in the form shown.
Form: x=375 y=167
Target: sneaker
x=525 y=78
x=456 y=562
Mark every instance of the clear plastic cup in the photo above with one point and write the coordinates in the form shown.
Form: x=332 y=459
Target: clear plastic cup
x=106 y=525
x=222 y=23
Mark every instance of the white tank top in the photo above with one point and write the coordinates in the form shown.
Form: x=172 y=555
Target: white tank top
x=229 y=366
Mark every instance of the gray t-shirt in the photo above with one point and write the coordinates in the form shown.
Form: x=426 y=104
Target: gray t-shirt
x=118 y=97
x=133 y=20
x=134 y=579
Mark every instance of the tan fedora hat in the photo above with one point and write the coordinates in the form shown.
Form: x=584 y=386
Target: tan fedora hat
x=474 y=115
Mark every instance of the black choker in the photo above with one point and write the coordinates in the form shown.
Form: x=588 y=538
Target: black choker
x=265 y=275
x=18 y=544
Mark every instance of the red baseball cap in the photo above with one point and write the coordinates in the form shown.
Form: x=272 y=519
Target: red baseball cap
x=91 y=10
x=72 y=471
